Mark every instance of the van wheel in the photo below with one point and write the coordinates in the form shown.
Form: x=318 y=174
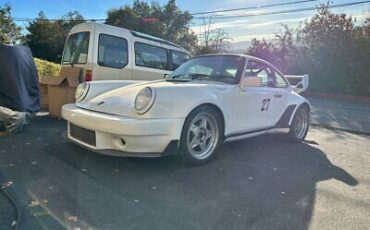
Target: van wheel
x=201 y=136
x=300 y=125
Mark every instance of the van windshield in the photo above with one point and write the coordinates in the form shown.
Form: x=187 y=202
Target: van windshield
x=76 y=49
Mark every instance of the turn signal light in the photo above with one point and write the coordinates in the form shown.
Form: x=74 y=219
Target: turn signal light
x=88 y=75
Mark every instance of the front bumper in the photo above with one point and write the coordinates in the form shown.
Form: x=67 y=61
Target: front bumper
x=122 y=136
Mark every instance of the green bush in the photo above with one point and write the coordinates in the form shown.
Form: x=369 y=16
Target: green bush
x=331 y=48
x=46 y=69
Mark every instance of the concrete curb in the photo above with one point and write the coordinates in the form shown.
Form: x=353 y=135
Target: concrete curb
x=353 y=131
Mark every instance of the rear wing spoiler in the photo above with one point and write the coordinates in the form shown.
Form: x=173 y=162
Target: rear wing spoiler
x=299 y=83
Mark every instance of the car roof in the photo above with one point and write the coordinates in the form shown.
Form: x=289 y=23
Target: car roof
x=231 y=54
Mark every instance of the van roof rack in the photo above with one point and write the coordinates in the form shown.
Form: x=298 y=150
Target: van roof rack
x=152 y=38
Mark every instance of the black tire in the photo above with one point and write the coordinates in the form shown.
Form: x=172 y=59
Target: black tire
x=299 y=136
x=186 y=152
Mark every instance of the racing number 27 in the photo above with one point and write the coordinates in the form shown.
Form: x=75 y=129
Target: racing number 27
x=265 y=104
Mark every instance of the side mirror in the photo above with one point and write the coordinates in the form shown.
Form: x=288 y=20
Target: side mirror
x=250 y=82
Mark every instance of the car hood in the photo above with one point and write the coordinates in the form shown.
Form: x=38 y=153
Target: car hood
x=121 y=101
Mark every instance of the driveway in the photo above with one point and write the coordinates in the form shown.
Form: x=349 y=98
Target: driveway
x=259 y=183
x=343 y=115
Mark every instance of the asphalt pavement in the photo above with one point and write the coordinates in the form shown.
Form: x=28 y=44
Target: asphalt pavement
x=258 y=183
x=351 y=116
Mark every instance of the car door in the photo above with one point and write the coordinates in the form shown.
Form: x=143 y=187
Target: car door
x=253 y=104
x=279 y=99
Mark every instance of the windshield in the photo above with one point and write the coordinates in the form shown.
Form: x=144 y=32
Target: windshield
x=76 y=49
x=216 y=68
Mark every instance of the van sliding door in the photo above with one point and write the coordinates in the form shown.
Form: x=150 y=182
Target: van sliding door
x=112 y=59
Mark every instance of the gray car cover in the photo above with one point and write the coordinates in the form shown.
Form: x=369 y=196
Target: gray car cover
x=19 y=86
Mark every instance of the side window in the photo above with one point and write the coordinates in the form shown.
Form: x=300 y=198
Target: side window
x=262 y=71
x=150 y=56
x=279 y=81
x=178 y=58
x=112 y=51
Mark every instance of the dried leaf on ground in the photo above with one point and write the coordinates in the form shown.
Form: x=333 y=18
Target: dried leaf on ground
x=6 y=184
x=72 y=218
x=34 y=203
x=38 y=214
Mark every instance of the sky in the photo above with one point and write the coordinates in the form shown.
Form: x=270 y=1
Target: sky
x=241 y=30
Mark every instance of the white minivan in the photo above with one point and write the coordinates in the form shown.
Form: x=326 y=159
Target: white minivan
x=106 y=52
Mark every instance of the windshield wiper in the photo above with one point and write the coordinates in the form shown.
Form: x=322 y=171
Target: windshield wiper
x=192 y=76
x=199 y=76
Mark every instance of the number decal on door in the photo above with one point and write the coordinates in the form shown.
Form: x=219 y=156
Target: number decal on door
x=265 y=104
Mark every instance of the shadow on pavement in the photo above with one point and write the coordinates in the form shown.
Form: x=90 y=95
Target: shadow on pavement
x=259 y=183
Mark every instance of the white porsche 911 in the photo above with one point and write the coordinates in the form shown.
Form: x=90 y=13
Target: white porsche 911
x=208 y=100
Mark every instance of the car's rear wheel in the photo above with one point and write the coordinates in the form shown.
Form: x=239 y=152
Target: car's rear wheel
x=201 y=136
x=300 y=125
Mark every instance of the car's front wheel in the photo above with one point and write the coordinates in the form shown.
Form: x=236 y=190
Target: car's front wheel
x=300 y=125
x=201 y=135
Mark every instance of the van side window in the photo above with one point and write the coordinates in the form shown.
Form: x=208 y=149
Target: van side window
x=150 y=56
x=178 y=58
x=112 y=51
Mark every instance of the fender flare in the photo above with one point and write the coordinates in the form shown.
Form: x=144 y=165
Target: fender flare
x=286 y=119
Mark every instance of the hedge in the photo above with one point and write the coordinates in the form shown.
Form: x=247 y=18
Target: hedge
x=46 y=68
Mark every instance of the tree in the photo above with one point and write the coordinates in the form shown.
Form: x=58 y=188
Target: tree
x=189 y=41
x=206 y=31
x=46 y=38
x=329 y=43
x=206 y=50
x=329 y=47
x=220 y=40
x=167 y=22
x=262 y=49
x=214 y=40
x=9 y=31
x=325 y=27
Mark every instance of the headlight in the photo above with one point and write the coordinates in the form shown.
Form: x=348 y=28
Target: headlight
x=81 y=91
x=144 y=100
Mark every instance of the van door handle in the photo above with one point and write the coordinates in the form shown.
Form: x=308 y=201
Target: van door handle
x=277 y=95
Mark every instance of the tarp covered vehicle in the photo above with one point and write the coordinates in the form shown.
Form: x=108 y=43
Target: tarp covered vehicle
x=19 y=87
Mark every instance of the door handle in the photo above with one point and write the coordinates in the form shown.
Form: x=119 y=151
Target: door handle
x=277 y=95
